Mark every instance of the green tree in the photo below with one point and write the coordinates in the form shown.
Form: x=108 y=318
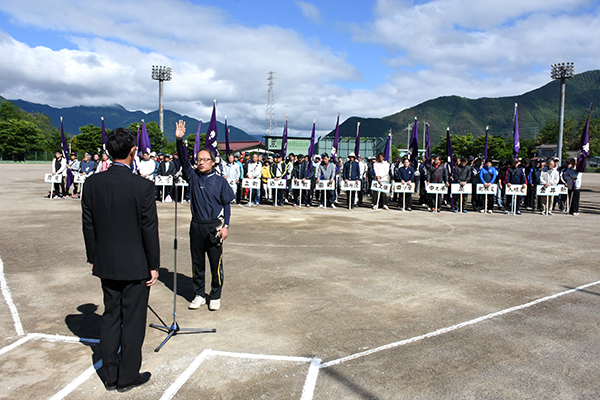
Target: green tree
x=89 y=140
x=157 y=139
x=18 y=137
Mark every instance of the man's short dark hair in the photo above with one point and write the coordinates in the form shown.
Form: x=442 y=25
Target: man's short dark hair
x=211 y=152
x=119 y=143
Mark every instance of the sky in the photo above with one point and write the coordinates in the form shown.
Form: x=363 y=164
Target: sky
x=356 y=58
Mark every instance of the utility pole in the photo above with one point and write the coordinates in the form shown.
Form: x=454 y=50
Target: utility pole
x=270 y=120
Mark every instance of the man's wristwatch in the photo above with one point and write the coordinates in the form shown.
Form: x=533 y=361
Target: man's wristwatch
x=226 y=226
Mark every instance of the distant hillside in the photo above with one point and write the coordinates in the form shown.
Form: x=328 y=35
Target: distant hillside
x=117 y=116
x=464 y=115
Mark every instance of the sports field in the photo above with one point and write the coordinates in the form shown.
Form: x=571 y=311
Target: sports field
x=317 y=304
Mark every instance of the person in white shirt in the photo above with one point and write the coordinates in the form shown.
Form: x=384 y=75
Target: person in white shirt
x=231 y=171
x=147 y=167
x=59 y=166
x=549 y=177
x=254 y=172
x=381 y=170
x=104 y=164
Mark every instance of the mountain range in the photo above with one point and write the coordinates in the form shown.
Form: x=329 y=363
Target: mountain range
x=116 y=116
x=463 y=116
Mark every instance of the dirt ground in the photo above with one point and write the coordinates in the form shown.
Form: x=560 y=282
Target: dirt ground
x=317 y=304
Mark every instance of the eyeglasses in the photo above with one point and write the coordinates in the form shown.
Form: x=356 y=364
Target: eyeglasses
x=204 y=159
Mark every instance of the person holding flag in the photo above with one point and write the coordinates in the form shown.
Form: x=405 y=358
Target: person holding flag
x=572 y=178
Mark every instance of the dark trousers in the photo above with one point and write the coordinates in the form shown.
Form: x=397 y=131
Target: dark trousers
x=574 y=200
x=509 y=202
x=203 y=242
x=407 y=200
x=329 y=195
x=123 y=325
x=59 y=188
x=278 y=196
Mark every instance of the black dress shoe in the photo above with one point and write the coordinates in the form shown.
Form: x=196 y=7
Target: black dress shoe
x=110 y=385
x=139 y=381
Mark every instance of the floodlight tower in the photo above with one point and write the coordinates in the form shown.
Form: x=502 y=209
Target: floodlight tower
x=161 y=74
x=563 y=72
x=270 y=120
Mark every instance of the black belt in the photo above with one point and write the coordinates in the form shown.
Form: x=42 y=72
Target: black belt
x=214 y=221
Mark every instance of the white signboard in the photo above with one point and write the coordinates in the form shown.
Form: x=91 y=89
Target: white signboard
x=548 y=191
x=79 y=178
x=481 y=189
x=232 y=184
x=456 y=188
x=563 y=189
x=325 y=185
x=437 y=188
x=49 y=178
x=248 y=183
x=276 y=183
x=299 y=184
x=516 y=190
x=400 y=187
x=383 y=187
x=351 y=186
x=163 y=180
x=181 y=182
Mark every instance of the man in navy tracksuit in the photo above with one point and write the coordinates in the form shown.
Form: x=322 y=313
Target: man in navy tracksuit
x=487 y=176
x=352 y=173
x=301 y=172
x=406 y=175
x=515 y=176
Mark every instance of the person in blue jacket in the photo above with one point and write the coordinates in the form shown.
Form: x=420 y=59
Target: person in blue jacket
x=488 y=176
x=515 y=176
x=406 y=175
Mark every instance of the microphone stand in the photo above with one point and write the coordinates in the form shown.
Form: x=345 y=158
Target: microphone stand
x=174 y=329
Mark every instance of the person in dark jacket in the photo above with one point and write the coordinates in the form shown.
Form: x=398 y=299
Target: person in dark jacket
x=302 y=171
x=515 y=176
x=120 y=229
x=462 y=175
x=352 y=173
x=436 y=174
x=405 y=175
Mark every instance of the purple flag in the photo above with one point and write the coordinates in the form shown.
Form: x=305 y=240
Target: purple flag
x=413 y=149
x=357 y=146
x=584 y=144
x=227 y=148
x=450 y=162
x=388 y=148
x=145 y=139
x=211 y=133
x=311 y=148
x=103 y=136
x=485 y=149
x=284 y=140
x=197 y=141
x=517 y=146
x=65 y=151
x=427 y=145
x=336 y=139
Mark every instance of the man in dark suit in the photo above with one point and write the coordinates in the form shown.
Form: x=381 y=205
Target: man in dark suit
x=120 y=229
x=167 y=168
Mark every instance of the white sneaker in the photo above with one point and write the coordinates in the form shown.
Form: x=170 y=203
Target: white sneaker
x=489 y=211
x=197 y=302
x=321 y=206
x=214 y=305
x=386 y=208
x=333 y=206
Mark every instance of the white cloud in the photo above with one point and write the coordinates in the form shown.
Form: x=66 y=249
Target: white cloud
x=310 y=11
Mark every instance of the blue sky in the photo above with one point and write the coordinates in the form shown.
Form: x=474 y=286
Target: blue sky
x=365 y=58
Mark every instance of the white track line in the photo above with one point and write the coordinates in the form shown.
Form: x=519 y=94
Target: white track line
x=308 y=391
x=457 y=326
x=15 y=344
x=260 y=356
x=9 y=302
x=64 y=392
x=182 y=379
x=62 y=338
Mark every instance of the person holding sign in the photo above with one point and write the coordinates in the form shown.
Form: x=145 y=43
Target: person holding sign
x=254 y=172
x=381 y=172
x=279 y=171
x=210 y=198
x=59 y=165
x=515 y=176
x=301 y=173
x=406 y=175
x=231 y=171
x=549 y=177
x=462 y=176
x=352 y=173
x=487 y=176
x=327 y=173
x=435 y=174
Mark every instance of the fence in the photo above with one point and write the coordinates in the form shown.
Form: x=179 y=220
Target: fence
x=30 y=157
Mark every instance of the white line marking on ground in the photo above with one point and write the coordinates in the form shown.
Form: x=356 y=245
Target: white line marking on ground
x=182 y=379
x=64 y=392
x=15 y=344
x=62 y=338
x=9 y=302
x=260 y=356
x=455 y=327
x=308 y=391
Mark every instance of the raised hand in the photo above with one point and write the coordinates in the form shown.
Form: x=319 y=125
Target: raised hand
x=180 y=129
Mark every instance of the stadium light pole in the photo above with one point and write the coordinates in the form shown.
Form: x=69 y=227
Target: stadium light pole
x=161 y=74
x=563 y=72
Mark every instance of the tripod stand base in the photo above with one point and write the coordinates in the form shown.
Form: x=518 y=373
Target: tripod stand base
x=174 y=330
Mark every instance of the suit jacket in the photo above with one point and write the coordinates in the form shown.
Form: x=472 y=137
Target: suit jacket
x=164 y=171
x=120 y=225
